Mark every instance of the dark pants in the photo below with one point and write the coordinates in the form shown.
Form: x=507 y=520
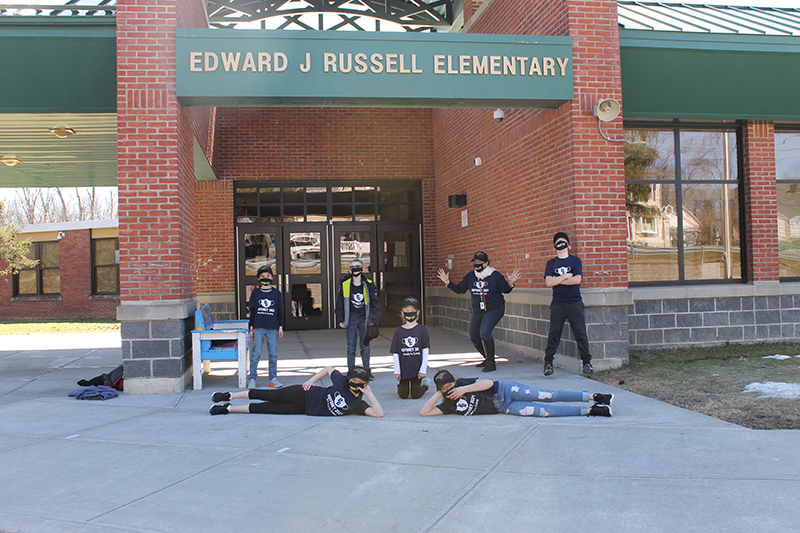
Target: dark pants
x=411 y=387
x=482 y=323
x=289 y=400
x=560 y=314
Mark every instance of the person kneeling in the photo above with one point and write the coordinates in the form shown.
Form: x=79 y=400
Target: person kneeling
x=486 y=397
x=410 y=345
x=344 y=397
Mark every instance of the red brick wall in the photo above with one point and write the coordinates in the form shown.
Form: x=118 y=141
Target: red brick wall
x=542 y=171
x=154 y=151
x=760 y=201
x=304 y=144
x=75 y=269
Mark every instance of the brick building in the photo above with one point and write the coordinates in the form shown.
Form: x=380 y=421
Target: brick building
x=685 y=229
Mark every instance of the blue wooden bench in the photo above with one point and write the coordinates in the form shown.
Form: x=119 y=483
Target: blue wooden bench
x=220 y=340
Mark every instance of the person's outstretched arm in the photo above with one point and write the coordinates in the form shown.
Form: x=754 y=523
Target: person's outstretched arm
x=375 y=411
x=316 y=377
x=430 y=409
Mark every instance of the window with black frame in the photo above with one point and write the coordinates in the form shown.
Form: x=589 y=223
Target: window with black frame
x=105 y=269
x=683 y=207
x=44 y=278
x=787 y=172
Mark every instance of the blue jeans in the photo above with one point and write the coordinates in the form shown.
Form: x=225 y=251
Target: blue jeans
x=271 y=336
x=356 y=331
x=514 y=398
x=482 y=323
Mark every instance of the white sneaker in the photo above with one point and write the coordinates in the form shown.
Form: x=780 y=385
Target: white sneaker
x=275 y=384
x=251 y=384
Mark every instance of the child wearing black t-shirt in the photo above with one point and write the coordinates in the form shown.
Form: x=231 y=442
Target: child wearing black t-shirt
x=410 y=345
x=564 y=274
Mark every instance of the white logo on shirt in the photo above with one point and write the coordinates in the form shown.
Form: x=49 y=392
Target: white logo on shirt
x=563 y=270
x=462 y=404
x=339 y=401
x=480 y=284
x=358 y=298
x=410 y=342
x=266 y=303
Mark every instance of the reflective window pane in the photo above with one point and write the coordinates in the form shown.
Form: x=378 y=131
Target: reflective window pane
x=711 y=232
x=306 y=299
x=397 y=251
x=342 y=194
x=365 y=212
x=317 y=194
x=246 y=195
x=789 y=229
x=105 y=251
x=387 y=195
x=247 y=215
x=317 y=213
x=107 y=279
x=387 y=212
x=270 y=195
x=354 y=245
x=49 y=257
x=27 y=282
x=342 y=213
x=270 y=213
x=652 y=232
x=294 y=213
x=650 y=155
x=787 y=155
x=408 y=194
x=259 y=250
x=708 y=155
x=409 y=212
x=304 y=250
x=51 y=281
x=294 y=195
x=364 y=194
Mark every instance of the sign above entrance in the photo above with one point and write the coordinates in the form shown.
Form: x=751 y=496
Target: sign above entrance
x=313 y=69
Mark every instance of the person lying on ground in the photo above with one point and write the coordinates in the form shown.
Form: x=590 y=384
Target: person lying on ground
x=486 y=397
x=344 y=397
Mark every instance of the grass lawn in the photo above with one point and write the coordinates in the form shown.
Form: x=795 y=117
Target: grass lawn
x=59 y=326
x=712 y=381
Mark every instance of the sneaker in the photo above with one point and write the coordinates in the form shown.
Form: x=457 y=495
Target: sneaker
x=588 y=368
x=219 y=409
x=603 y=399
x=599 y=410
x=221 y=397
x=251 y=384
x=274 y=384
x=548 y=369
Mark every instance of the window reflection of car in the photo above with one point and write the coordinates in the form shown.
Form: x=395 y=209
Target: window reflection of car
x=253 y=264
x=304 y=247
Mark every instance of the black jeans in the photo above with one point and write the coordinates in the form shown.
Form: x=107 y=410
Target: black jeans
x=560 y=314
x=289 y=400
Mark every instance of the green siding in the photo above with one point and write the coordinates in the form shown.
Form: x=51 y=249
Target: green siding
x=58 y=67
x=710 y=76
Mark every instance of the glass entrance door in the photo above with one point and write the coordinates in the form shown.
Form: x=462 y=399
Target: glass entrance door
x=399 y=269
x=306 y=276
x=257 y=246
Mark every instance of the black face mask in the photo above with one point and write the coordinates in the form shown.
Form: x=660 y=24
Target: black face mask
x=265 y=281
x=356 y=271
x=560 y=245
x=410 y=317
x=478 y=267
x=356 y=388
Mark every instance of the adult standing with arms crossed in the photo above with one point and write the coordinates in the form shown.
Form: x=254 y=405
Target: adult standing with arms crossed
x=486 y=286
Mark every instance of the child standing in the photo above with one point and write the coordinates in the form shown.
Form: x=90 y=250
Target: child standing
x=266 y=322
x=564 y=274
x=410 y=345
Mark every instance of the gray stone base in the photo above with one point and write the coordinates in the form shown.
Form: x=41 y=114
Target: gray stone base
x=526 y=324
x=156 y=345
x=223 y=304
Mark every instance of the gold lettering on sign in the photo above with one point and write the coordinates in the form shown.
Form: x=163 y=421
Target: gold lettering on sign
x=563 y=65
x=509 y=66
x=264 y=60
x=438 y=64
x=535 y=68
x=280 y=61
x=494 y=65
x=349 y=66
x=249 y=62
x=391 y=63
x=480 y=65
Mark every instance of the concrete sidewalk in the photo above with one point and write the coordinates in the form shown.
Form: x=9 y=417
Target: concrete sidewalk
x=163 y=464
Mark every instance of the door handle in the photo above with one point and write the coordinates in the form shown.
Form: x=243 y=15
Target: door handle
x=287 y=283
x=280 y=282
x=380 y=274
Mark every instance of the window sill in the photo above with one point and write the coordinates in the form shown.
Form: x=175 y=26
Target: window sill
x=42 y=298
x=104 y=297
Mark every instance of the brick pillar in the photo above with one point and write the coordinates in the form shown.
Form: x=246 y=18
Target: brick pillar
x=760 y=202
x=156 y=201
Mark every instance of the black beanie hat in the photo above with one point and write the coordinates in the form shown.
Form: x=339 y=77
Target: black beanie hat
x=561 y=235
x=443 y=377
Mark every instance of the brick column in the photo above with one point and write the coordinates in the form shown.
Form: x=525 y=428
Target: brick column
x=760 y=202
x=156 y=200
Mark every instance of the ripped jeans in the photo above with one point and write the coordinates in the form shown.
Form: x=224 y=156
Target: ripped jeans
x=514 y=398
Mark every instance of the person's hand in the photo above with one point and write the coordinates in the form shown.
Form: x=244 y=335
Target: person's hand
x=397 y=377
x=366 y=389
x=250 y=334
x=455 y=393
x=420 y=375
x=341 y=325
x=567 y=275
x=514 y=276
x=308 y=384
x=280 y=332
x=444 y=276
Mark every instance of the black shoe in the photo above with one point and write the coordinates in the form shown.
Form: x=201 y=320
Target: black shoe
x=219 y=409
x=481 y=364
x=599 y=410
x=603 y=399
x=220 y=397
x=588 y=368
x=548 y=369
x=490 y=367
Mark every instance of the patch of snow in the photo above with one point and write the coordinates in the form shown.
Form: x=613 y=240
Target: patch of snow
x=775 y=389
x=777 y=356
